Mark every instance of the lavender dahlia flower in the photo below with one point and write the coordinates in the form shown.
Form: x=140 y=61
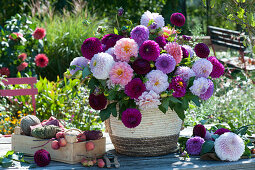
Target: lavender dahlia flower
x=140 y=34
x=158 y=19
x=229 y=147
x=202 y=50
x=80 y=62
x=149 y=50
x=185 y=73
x=135 y=88
x=209 y=91
x=199 y=130
x=200 y=86
x=202 y=68
x=194 y=145
x=165 y=63
x=189 y=49
x=110 y=40
x=90 y=47
x=218 y=68
x=131 y=117
x=177 y=19
x=141 y=66
x=179 y=86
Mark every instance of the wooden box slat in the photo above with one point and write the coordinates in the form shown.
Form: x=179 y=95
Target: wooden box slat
x=72 y=153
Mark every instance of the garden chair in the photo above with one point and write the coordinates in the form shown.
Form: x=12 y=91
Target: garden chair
x=21 y=92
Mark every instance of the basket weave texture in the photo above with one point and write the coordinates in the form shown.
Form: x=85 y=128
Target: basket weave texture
x=156 y=135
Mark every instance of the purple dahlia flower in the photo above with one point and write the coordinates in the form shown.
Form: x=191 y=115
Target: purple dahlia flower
x=194 y=145
x=97 y=102
x=149 y=50
x=80 y=62
x=177 y=19
x=135 y=88
x=120 y=11
x=165 y=63
x=185 y=53
x=202 y=50
x=179 y=86
x=186 y=38
x=161 y=41
x=90 y=47
x=218 y=68
x=221 y=131
x=209 y=91
x=131 y=117
x=199 y=130
x=110 y=40
x=140 y=34
x=141 y=66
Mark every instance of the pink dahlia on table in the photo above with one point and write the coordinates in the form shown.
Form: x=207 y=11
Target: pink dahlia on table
x=80 y=63
x=221 y=131
x=131 y=117
x=97 y=102
x=199 y=130
x=41 y=60
x=22 y=56
x=209 y=91
x=90 y=47
x=185 y=73
x=135 y=88
x=22 y=66
x=165 y=63
x=202 y=50
x=4 y=71
x=149 y=50
x=125 y=48
x=121 y=73
x=194 y=145
x=229 y=147
x=179 y=86
x=161 y=41
x=158 y=19
x=177 y=19
x=110 y=40
x=202 y=68
x=141 y=66
x=148 y=100
x=174 y=49
x=157 y=81
x=218 y=68
x=140 y=34
x=39 y=33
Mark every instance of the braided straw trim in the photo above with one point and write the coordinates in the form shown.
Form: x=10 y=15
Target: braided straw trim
x=154 y=124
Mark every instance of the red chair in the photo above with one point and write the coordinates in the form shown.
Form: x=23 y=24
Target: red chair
x=21 y=92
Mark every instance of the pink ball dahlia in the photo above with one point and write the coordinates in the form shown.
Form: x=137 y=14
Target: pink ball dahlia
x=199 y=130
x=175 y=50
x=135 y=88
x=131 y=117
x=179 y=86
x=41 y=60
x=42 y=158
x=218 y=68
x=194 y=145
x=149 y=50
x=229 y=147
x=90 y=47
x=177 y=19
x=121 y=73
x=148 y=100
x=22 y=56
x=97 y=102
x=141 y=66
x=125 y=48
x=202 y=50
x=167 y=32
x=22 y=66
x=39 y=33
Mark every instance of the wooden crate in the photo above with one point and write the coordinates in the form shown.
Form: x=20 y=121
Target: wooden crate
x=72 y=153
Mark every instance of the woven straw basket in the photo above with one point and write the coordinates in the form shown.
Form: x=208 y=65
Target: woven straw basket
x=156 y=135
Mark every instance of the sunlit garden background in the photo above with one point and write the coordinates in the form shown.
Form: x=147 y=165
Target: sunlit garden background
x=69 y=22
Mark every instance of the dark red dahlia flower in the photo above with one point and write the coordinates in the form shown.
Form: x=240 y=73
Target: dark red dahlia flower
x=135 y=88
x=141 y=66
x=4 y=71
x=202 y=50
x=221 y=131
x=97 y=102
x=131 y=117
x=199 y=130
x=90 y=47
x=110 y=40
x=41 y=60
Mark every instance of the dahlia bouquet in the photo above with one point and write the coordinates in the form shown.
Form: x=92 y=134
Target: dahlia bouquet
x=218 y=143
x=146 y=66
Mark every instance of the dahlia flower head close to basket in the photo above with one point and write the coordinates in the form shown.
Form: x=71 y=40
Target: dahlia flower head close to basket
x=144 y=67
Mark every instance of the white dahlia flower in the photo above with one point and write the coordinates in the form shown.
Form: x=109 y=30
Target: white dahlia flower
x=148 y=100
x=158 y=19
x=157 y=81
x=200 y=86
x=202 y=68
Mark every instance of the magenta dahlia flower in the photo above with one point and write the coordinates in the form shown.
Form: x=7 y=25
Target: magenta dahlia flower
x=149 y=50
x=194 y=145
x=161 y=41
x=199 y=130
x=185 y=53
x=218 y=68
x=166 y=63
x=175 y=50
x=177 y=19
x=39 y=33
x=186 y=38
x=140 y=34
x=141 y=66
x=221 y=131
x=202 y=50
x=97 y=102
x=209 y=91
x=42 y=158
x=4 y=71
x=131 y=117
x=179 y=86
x=135 y=88
x=90 y=47
x=41 y=60
x=110 y=40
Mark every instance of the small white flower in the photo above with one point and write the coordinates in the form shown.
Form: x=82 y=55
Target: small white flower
x=157 y=81
x=101 y=65
x=147 y=16
x=202 y=68
x=199 y=86
x=148 y=100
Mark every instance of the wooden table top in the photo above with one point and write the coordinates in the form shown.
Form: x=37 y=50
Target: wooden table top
x=171 y=161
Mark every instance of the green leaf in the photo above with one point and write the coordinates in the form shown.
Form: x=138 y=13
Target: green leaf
x=191 y=80
x=112 y=94
x=92 y=83
x=86 y=72
x=195 y=99
x=112 y=108
x=179 y=110
x=175 y=100
x=253 y=49
x=247 y=152
x=116 y=31
x=162 y=109
x=215 y=136
x=164 y=104
x=204 y=1
x=207 y=147
x=242 y=130
x=185 y=103
x=203 y=122
x=9 y=153
x=6 y=163
x=104 y=114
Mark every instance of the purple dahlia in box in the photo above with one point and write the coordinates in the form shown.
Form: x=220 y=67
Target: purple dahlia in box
x=161 y=41
x=194 y=145
x=141 y=66
x=90 y=47
x=135 y=88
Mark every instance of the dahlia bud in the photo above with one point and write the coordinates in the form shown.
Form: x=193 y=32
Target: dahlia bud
x=120 y=11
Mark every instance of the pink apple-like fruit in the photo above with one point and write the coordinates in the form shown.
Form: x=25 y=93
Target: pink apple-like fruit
x=84 y=162
x=62 y=142
x=100 y=163
x=60 y=135
x=81 y=137
x=55 y=145
x=89 y=146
